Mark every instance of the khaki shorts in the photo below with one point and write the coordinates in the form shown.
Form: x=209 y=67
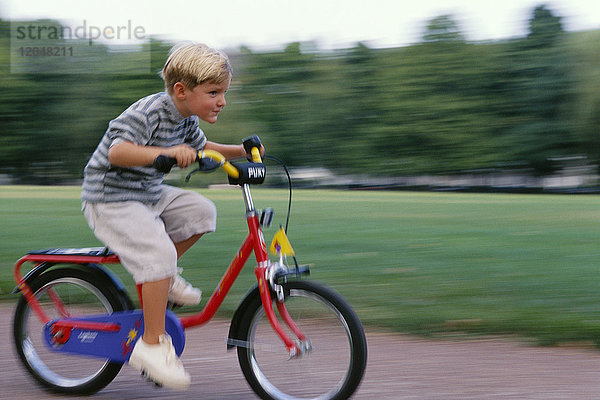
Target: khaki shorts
x=143 y=235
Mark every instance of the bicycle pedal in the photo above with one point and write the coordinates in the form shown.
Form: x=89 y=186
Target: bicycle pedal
x=173 y=306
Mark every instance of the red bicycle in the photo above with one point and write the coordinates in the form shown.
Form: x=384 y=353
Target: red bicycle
x=75 y=324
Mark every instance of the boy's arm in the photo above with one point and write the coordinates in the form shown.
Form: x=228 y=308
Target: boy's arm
x=128 y=154
x=230 y=151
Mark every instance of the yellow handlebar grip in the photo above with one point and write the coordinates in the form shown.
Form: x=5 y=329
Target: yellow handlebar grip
x=231 y=170
x=255 y=155
x=220 y=158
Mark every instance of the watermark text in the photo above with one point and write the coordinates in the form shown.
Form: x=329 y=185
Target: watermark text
x=91 y=33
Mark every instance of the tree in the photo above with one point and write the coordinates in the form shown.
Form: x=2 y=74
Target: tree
x=537 y=90
x=544 y=28
x=444 y=105
x=443 y=29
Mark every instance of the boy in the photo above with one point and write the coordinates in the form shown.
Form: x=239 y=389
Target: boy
x=148 y=224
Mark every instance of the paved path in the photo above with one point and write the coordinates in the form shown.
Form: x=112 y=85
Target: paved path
x=399 y=367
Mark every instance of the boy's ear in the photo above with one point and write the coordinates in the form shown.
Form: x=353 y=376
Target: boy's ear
x=179 y=90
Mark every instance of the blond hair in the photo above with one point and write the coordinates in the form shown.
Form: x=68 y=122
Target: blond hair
x=194 y=64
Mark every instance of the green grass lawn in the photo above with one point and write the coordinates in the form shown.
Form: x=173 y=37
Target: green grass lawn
x=424 y=263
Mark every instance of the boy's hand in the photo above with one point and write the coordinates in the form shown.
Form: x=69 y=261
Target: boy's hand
x=249 y=143
x=184 y=154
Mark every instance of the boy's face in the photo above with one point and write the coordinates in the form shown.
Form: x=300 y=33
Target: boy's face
x=205 y=100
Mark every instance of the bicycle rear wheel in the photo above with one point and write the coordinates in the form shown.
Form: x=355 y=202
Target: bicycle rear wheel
x=333 y=368
x=81 y=293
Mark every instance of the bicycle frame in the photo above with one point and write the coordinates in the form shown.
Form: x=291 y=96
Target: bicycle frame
x=49 y=260
x=254 y=242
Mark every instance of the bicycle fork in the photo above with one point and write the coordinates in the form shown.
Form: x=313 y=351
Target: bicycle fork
x=295 y=348
x=265 y=274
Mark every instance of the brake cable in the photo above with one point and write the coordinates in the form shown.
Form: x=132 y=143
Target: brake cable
x=289 y=178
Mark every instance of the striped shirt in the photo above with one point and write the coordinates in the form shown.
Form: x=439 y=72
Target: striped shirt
x=151 y=121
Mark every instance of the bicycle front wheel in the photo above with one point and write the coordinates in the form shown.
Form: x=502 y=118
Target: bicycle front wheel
x=79 y=293
x=331 y=369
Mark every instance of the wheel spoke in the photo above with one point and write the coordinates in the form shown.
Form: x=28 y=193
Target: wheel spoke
x=63 y=292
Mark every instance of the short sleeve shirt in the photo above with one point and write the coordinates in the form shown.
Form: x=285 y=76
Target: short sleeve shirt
x=151 y=121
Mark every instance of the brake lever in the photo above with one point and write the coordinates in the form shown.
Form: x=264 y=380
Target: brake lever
x=205 y=164
x=187 y=178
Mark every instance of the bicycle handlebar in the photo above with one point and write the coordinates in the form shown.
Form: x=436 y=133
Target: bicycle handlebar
x=223 y=163
x=252 y=172
x=255 y=152
x=164 y=163
x=247 y=173
x=251 y=144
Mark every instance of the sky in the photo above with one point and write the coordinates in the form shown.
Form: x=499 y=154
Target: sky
x=270 y=24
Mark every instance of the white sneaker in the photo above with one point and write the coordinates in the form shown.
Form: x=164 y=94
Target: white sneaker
x=183 y=293
x=159 y=363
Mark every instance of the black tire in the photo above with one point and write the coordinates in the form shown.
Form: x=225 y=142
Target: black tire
x=82 y=292
x=334 y=367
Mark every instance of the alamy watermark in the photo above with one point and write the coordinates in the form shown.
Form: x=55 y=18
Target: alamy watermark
x=51 y=47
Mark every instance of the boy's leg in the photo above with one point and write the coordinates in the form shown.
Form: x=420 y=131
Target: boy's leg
x=137 y=235
x=154 y=353
x=185 y=245
x=180 y=291
x=155 y=304
x=187 y=216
